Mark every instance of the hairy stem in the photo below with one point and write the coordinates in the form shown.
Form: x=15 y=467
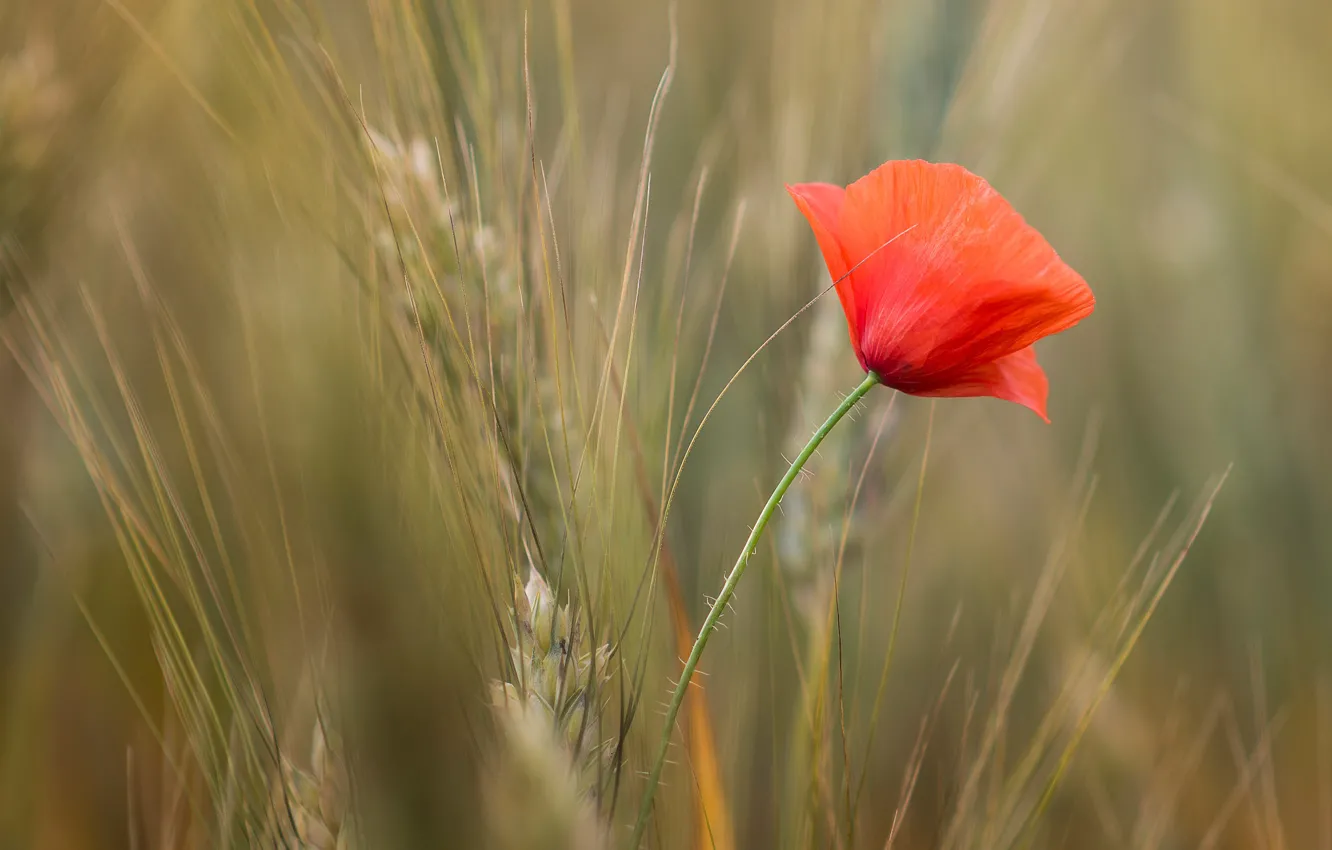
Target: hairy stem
x=710 y=623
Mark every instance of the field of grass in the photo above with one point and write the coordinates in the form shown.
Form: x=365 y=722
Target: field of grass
x=388 y=386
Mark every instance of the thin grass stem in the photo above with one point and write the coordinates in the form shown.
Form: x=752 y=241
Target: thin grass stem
x=728 y=590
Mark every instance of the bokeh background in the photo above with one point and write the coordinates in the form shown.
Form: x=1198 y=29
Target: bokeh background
x=325 y=322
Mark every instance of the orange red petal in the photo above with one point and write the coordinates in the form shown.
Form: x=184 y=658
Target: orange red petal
x=943 y=280
x=1015 y=377
x=821 y=204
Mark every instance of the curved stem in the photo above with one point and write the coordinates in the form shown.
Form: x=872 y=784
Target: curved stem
x=728 y=590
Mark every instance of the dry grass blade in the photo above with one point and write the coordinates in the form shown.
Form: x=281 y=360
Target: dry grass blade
x=712 y=818
x=1084 y=722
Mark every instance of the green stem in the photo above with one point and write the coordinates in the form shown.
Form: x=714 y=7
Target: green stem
x=728 y=590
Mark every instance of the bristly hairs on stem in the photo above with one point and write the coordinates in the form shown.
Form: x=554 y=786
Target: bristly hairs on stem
x=728 y=589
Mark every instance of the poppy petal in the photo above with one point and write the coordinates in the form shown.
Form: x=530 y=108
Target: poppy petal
x=821 y=204
x=1016 y=377
x=955 y=276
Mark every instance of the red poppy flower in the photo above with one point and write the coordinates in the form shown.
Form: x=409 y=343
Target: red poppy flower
x=944 y=286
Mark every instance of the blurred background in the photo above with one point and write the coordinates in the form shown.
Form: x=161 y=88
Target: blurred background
x=328 y=324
